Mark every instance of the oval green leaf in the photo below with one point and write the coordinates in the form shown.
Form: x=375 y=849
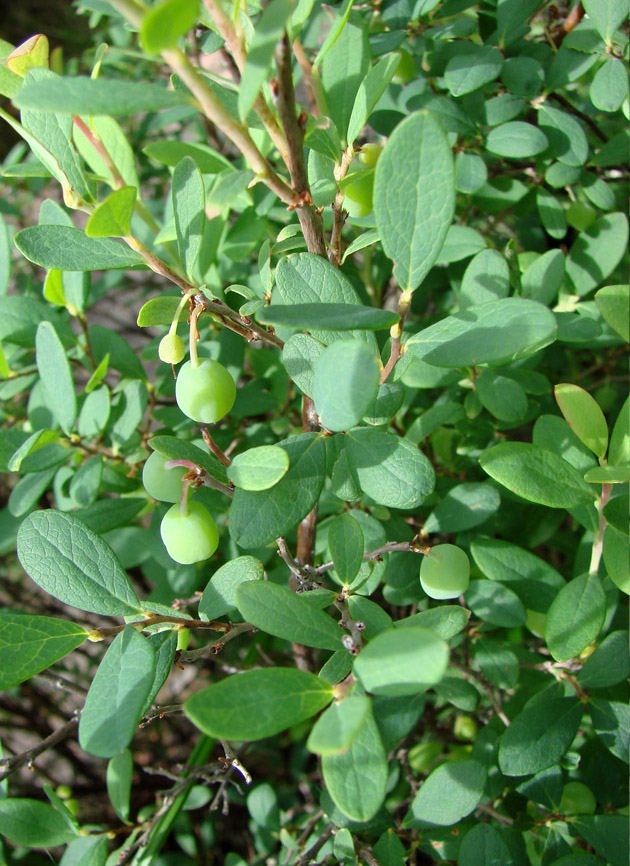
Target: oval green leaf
x=338 y=317
x=338 y=726
x=259 y=468
x=516 y=140
x=449 y=794
x=56 y=376
x=257 y=704
x=402 y=662
x=414 y=196
x=68 y=249
x=575 y=617
x=584 y=417
x=345 y=383
x=30 y=644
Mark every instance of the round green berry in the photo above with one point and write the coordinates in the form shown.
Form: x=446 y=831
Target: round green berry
x=445 y=572
x=205 y=393
x=162 y=483
x=171 y=349
x=191 y=537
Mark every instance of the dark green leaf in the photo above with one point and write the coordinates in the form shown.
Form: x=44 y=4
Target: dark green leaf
x=338 y=317
x=449 y=794
x=405 y=661
x=56 y=377
x=257 y=704
x=33 y=824
x=278 y=611
x=575 y=617
x=68 y=249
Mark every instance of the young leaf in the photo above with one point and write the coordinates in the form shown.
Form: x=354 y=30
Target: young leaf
x=259 y=517
x=540 y=734
x=259 y=468
x=112 y=218
x=340 y=317
x=346 y=543
x=371 y=89
x=158 y=311
x=389 y=469
x=537 y=475
x=189 y=207
x=68 y=249
x=268 y=32
x=71 y=563
x=257 y=704
x=497 y=332
x=583 y=416
x=55 y=374
x=33 y=824
x=88 y=96
x=449 y=794
x=165 y=22
x=278 y=611
x=219 y=596
x=402 y=662
x=119 y=775
x=117 y=695
x=30 y=644
x=338 y=726
x=575 y=617
x=356 y=779
x=414 y=196
x=345 y=383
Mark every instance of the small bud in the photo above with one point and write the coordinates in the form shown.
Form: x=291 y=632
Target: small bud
x=171 y=349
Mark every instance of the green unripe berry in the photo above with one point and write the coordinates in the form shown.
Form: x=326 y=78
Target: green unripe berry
x=445 y=572
x=465 y=728
x=162 y=483
x=171 y=349
x=205 y=393
x=577 y=799
x=369 y=154
x=358 y=194
x=191 y=537
x=405 y=69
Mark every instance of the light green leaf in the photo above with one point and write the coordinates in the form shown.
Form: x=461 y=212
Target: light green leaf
x=117 y=695
x=619 y=449
x=259 y=468
x=607 y=16
x=257 y=704
x=88 y=96
x=613 y=302
x=110 y=133
x=219 y=596
x=370 y=91
x=541 y=281
x=404 y=661
x=446 y=621
x=280 y=612
x=608 y=475
x=365 y=239
x=575 y=617
x=345 y=383
x=303 y=278
x=334 y=33
x=498 y=332
x=609 y=89
x=389 y=469
x=552 y=214
x=536 y=475
x=299 y=357
x=460 y=242
x=259 y=517
x=356 y=779
x=86 y=851
x=71 y=563
x=597 y=251
x=119 y=776
x=346 y=543
x=584 y=417
x=414 y=196
x=189 y=206
x=471 y=172
x=268 y=32
x=487 y=278
x=158 y=311
x=112 y=218
x=471 y=68
x=164 y=23
x=180 y=449
x=450 y=793
x=30 y=644
x=540 y=734
x=56 y=376
x=33 y=824
x=347 y=61
x=516 y=140
x=5 y=256
x=69 y=249
x=338 y=726
x=338 y=317
x=169 y=152
x=567 y=140
x=464 y=507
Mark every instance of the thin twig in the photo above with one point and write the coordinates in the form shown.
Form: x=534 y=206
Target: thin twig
x=314 y=850
x=10 y=765
x=233 y=761
x=221 y=457
x=390 y=547
x=366 y=854
x=598 y=543
x=216 y=647
x=396 y=336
